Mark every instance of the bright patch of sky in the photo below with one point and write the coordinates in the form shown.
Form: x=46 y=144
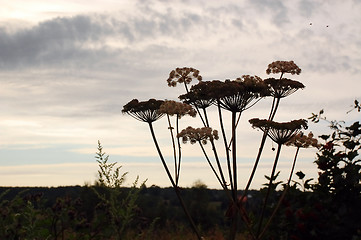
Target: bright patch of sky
x=68 y=67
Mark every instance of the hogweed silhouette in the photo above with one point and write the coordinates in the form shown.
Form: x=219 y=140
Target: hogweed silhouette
x=233 y=96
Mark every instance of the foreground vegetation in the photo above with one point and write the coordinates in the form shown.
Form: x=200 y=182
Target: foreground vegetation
x=78 y=213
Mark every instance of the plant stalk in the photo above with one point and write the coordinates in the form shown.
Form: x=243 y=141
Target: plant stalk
x=269 y=188
x=176 y=189
x=281 y=198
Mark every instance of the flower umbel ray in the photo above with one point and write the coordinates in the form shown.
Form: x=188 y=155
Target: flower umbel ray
x=200 y=95
x=237 y=95
x=146 y=111
x=283 y=87
x=279 y=132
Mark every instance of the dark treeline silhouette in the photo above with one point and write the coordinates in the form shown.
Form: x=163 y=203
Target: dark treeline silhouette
x=153 y=202
x=79 y=206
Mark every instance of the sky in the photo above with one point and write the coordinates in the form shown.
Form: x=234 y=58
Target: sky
x=68 y=67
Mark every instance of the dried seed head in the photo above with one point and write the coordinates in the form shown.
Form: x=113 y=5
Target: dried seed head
x=177 y=108
x=280 y=88
x=302 y=141
x=201 y=95
x=194 y=135
x=183 y=75
x=146 y=111
x=279 y=132
x=241 y=94
x=283 y=67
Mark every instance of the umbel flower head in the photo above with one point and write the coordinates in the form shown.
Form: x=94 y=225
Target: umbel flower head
x=303 y=141
x=195 y=135
x=280 y=88
x=279 y=132
x=179 y=109
x=201 y=95
x=254 y=84
x=183 y=75
x=147 y=111
x=237 y=95
x=283 y=67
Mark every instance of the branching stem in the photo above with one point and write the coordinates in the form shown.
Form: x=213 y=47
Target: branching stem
x=175 y=187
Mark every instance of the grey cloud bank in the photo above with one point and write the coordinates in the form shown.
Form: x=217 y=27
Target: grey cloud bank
x=150 y=35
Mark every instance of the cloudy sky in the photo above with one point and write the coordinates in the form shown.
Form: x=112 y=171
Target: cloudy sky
x=67 y=67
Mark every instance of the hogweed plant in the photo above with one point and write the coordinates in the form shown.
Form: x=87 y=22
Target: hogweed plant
x=149 y=112
x=280 y=133
x=279 y=88
x=228 y=97
x=177 y=109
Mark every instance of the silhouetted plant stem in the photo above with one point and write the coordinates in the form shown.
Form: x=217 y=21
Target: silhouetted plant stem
x=240 y=210
x=179 y=150
x=260 y=150
x=236 y=124
x=205 y=117
x=195 y=106
x=228 y=194
x=234 y=160
x=211 y=165
x=214 y=149
x=282 y=196
x=269 y=188
x=275 y=108
x=174 y=150
x=293 y=166
x=218 y=163
x=225 y=145
x=234 y=155
x=272 y=107
x=176 y=189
